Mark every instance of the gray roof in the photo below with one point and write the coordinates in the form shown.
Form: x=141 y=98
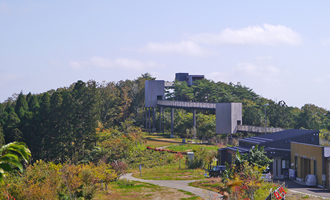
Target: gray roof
x=246 y=149
x=281 y=135
x=240 y=149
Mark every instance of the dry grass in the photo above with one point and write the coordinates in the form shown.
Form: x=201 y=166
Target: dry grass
x=170 y=172
x=298 y=196
x=154 y=144
x=144 y=191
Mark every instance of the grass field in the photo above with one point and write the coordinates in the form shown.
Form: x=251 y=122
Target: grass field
x=189 y=147
x=170 y=172
x=123 y=189
x=209 y=184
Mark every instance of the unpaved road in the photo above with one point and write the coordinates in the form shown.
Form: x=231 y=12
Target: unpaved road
x=182 y=185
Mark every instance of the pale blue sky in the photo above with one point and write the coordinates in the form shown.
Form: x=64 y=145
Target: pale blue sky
x=280 y=49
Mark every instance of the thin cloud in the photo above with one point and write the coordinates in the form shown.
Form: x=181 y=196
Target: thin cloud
x=325 y=41
x=250 y=69
x=188 y=48
x=4 y=7
x=264 y=57
x=252 y=35
x=264 y=74
x=119 y=63
x=5 y=77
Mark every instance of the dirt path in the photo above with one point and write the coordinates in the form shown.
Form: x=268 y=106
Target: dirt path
x=182 y=185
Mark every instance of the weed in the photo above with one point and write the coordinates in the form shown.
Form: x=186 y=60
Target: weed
x=122 y=183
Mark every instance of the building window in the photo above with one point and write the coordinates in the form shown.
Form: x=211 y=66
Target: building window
x=285 y=164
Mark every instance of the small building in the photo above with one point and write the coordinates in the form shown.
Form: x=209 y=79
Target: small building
x=277 y=146
x=310 y=159
x=190 y=79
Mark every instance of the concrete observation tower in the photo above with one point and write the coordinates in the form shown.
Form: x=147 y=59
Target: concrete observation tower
x=228 y=115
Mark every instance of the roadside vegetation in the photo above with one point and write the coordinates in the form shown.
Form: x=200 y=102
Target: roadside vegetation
x=127 y=190
x=243 y=180
x=190 y=147
x=170 y=172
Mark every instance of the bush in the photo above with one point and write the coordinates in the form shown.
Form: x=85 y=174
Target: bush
x=50 y=181
x=124 y=183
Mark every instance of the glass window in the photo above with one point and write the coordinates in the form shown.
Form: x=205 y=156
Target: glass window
x=285 y=164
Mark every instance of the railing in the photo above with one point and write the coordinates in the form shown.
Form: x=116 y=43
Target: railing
x=257 y=129
x=184 y=104
x=271 y=192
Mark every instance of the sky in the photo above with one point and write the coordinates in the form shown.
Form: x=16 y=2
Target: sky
x=280 y=49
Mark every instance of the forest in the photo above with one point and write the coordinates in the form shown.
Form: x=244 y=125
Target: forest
x=71 y=123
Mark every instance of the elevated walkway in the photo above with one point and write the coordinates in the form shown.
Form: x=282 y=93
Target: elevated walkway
x=187 y=105
x=257 y=129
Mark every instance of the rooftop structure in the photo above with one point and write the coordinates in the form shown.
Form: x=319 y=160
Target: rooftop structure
x=190 y=79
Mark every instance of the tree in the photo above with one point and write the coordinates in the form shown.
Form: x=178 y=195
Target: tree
x=12 y=121
x=10 y=155
x=255 y=157
x=251 y=113
x=21 y=106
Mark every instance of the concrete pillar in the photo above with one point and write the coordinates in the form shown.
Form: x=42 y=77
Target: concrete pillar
x=149 y=119
x=172 y=122
x=163 y=120
x=194 y=123
x=153 y=119
x=160 y=119
x=146 y=109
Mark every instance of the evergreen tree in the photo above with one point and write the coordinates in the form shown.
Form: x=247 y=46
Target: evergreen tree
x=21 y=106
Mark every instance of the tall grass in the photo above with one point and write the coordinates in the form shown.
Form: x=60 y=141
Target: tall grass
x=170 y=172
x=185 y=147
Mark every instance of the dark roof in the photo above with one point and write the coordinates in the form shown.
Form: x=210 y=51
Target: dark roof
x=240 y=149
x=281 y=135
x=246 y=149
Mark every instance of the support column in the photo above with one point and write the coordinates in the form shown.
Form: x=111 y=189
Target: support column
x=146 y=110
x=194 y=123
x=160 y=119
x=163 y=120
x=149 y=120
x=172 y=121
x=153 y=119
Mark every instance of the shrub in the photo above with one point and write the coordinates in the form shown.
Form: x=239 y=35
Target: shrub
x=50 y=181
x=124 y=183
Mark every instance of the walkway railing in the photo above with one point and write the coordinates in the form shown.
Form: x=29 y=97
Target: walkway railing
x=257 y=129
x=184 y=104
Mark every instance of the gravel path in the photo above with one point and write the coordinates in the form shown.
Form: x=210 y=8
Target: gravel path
x=182 y=185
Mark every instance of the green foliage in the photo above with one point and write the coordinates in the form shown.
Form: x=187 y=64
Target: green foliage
x=11 y=155
x=263 y=192
x=170 y=172
x=255 y=157
x=185 y=147
x=202 y=157
x=123 y=183
x=242 y=181
x=61 y=124
x=56 y=181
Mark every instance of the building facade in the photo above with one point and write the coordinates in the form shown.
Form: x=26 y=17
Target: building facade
x=310 y=159
x=277 y=146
